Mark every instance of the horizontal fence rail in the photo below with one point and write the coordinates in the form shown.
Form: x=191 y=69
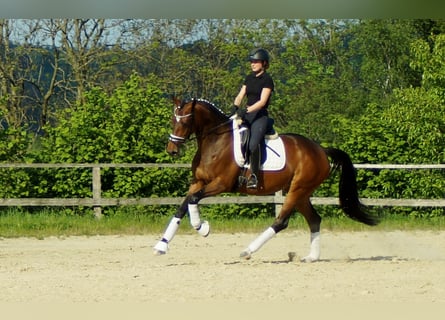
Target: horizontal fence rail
x=97 y=201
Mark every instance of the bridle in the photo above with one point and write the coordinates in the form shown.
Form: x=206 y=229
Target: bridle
x=179 y=140
x=178 y=117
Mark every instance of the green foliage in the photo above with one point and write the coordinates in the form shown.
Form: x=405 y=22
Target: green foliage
x=382 y=54
x=428 y=57
x=417 y=118
x=128 y=126
x=137 y=125
x=14 y=143
x=221 y=212
x=410 y=130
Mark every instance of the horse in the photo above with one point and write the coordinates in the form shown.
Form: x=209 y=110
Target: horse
x=214 y=171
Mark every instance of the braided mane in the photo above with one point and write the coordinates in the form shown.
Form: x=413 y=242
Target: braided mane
x=211 y=105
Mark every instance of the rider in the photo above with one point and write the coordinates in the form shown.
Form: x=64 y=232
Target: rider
x=258 y=87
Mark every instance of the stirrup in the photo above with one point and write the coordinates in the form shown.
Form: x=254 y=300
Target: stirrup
x=253 y=182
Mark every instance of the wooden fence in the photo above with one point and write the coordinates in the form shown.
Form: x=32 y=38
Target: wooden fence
x=97 y=201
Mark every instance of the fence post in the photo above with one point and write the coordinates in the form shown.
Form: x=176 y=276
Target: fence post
x=278 y=200
x=97 y=186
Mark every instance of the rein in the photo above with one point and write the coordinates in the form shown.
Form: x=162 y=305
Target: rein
x=215 y=128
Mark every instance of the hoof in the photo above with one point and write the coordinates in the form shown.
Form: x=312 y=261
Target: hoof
x=309 y=259
x=158 y=252
x=160 y=248
x=245 y=255
x=204 y=229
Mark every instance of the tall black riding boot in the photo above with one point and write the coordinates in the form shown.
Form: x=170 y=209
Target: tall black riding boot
x=252 y=183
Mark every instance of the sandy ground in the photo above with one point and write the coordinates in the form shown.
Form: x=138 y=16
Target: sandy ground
x=367 y=267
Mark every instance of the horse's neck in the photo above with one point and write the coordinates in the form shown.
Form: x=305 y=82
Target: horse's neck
x=215 y=138
x=206 y=126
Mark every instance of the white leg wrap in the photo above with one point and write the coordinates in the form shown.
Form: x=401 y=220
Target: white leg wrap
x=204 y=230
x=314 y=254
x=195 y=220
x=171 y=229
x=202 y=227
x=261 y=240
x=162 y=246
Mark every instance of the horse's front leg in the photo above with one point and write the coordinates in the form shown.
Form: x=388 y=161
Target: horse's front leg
x=202 y=227
x=162 y=246
x=189 y=204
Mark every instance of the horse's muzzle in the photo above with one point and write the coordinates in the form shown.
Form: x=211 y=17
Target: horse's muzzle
x=172 y=149
x=173 y=144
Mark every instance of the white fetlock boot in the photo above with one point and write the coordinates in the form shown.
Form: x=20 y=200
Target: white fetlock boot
x=203 y=227
x=258 y=243
x=162 y=246
x=314 y=254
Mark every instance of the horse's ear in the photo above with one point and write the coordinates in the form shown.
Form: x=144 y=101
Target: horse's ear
x=176 y=101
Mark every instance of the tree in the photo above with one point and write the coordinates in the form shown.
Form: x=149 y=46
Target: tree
x=418 y=112
x=86 y=47
x=410 y=130
x=127 y=126
x=16 y=84
x=380 y=54
x=316 y=79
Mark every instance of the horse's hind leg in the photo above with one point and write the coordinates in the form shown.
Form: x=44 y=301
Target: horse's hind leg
x=297 y=199
x=313 y=219
x=281 y=222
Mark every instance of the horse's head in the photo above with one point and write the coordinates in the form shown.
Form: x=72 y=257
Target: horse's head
x=196 y=116
x=182 y=125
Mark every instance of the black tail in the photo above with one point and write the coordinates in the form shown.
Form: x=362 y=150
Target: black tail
x=349 y=200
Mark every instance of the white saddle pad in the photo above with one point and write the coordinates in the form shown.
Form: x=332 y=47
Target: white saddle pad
x=276 y=155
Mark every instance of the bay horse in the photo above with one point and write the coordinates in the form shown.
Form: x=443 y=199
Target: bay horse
x=215 y=171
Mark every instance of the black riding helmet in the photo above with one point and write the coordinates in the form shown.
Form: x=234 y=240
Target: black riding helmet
x=260 y=54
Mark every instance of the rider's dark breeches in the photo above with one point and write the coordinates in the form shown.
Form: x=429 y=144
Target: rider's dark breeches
x=257 y=131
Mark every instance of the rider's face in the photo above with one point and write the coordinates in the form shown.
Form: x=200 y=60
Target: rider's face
x=256 y=65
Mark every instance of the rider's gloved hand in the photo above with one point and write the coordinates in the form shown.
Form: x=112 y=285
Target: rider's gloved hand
x=241 y=112
x=233 y=111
